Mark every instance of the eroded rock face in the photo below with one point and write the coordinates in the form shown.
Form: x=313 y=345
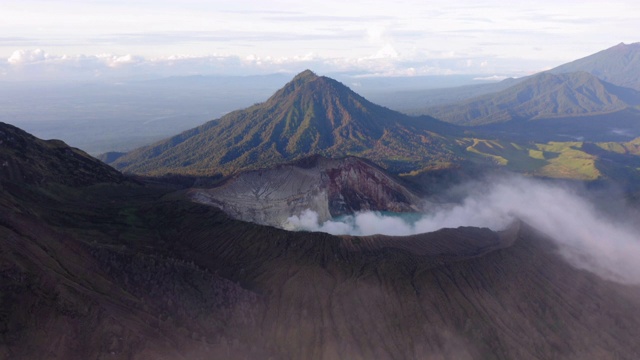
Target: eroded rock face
x=354 y=185
x=269 y=196
x=329 y=187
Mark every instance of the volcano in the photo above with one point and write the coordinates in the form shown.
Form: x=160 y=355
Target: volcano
x=310 y=115
x=94 y=264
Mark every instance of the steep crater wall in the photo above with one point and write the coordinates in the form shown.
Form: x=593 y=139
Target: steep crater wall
x=329 y=187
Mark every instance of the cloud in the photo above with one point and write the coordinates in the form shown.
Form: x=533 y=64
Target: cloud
x=20 y=57
x=386 y=52
x=296 y=17
x=222 y=36
x=37 y=64
x=491 y=78
x=587 y=238
x=128 y=59
x=488 y=30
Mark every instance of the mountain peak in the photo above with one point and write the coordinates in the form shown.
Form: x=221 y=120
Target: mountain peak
x=301 y=80
x=305 y=76
x=310 y=115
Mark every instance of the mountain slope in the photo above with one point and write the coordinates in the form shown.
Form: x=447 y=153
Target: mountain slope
x=309 y=115
x=27 y=159
x=544 y=95
x=619 y=65
x=416 y=101
x=136 y=271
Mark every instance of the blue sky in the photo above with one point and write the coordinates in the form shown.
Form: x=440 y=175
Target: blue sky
x=101 y=38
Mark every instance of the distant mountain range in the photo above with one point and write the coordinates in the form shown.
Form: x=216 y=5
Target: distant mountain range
x=545 y=95
x=414 y=102
x=316 y=115
x=309 y=115
x=619 y=65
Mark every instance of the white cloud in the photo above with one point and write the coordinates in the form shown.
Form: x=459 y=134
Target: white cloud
x=497 y=37
x=588 y=238
x=20 y=57
x=382 y=38
x=128 y=59
x=491 y=78
x=37 y=64
x=386 y=52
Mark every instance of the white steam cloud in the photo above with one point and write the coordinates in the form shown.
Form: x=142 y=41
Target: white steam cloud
x=588 y=239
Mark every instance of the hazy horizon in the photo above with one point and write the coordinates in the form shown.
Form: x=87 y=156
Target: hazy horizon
x=52 y=55
x=84 y=40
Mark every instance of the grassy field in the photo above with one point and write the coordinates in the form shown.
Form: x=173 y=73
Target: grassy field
x=566 y=160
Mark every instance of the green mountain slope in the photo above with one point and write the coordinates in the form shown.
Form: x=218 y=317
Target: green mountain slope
x=542 y=96
x=619 y=65
x=309 y=115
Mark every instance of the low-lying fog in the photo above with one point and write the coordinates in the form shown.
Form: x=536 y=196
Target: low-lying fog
x=588 y=238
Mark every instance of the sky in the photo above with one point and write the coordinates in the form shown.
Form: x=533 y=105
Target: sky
x=106 y=38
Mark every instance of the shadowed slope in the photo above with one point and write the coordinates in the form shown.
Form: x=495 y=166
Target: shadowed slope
x=363 y=298
x=144 y=285
x=26 y=159
x=130 y=271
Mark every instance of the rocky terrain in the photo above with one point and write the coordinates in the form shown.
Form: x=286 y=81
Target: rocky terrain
x=330 y=187
x=122 y=269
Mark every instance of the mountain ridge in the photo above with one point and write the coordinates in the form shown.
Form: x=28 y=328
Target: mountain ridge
x=27 y=159
x=618 y=65
x=544 y=95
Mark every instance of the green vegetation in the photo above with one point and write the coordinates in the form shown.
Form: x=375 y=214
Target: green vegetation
x=572 y=164
x=310 y=115
x=568 y=160
x=631 y=147
x=513 y=156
